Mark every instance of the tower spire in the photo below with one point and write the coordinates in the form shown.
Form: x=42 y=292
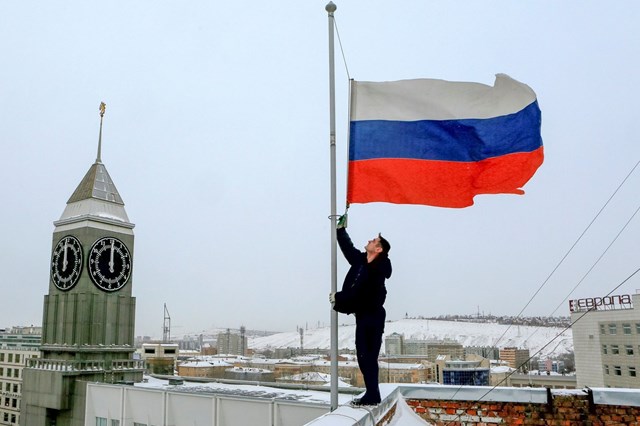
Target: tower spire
x=103 y=107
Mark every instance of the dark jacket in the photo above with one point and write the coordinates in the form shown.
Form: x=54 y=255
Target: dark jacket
x=363 y=290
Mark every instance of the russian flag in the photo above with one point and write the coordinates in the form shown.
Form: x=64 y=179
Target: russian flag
x=441 y=143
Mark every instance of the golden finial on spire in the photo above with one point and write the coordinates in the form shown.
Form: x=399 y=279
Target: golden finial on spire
x=103 y=107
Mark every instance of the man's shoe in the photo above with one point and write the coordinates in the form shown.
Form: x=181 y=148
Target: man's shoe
x=364 y=401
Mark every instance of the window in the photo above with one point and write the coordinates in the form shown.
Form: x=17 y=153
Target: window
x=14 y=403
x=7 y=386
x=604 y=349
x=606 y=370
x=115 y=422
x=629 y=349
x=617 y=370
x=18 y=355
x=632 y=371
x=612 y=329
x=602 y=329
x=16 y=373
x=101 y=421
x=8 y=372
x=16 y=388
x=139 y=424
x=626 y=328
x=1 y=371
x=637 y=330
x=2 y=354
x=13 y=418
x=615 y=350
x=10 y=358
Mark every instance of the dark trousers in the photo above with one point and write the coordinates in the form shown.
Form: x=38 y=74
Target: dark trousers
x=369 y=329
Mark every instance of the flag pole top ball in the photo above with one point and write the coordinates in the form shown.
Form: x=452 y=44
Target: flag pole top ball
x=330 y=7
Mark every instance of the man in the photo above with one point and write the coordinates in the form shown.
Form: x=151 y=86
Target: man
x=363 y=294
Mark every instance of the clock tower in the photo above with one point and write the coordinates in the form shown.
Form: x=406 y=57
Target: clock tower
x=89 y=311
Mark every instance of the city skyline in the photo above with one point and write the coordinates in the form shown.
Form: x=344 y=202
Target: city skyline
x=216 y=136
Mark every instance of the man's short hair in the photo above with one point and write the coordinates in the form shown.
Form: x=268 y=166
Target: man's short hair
x=384 y=244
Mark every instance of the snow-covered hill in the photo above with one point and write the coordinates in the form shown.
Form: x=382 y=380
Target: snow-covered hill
x=550 y=341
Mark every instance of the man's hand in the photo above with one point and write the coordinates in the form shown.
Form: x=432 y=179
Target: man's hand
x=342 y=222
x=332 y=298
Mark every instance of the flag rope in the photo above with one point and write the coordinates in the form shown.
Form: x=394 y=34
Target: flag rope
x=344 y=59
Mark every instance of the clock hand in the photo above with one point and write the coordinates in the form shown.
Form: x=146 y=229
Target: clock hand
x=111 y=259
x=64 y=258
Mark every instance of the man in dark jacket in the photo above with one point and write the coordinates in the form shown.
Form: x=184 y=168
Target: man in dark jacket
x=363 y=294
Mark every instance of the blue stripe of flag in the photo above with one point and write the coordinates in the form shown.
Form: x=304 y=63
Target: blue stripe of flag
x=462 y=140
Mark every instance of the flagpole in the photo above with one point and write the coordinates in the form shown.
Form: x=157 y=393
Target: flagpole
x=330 y=8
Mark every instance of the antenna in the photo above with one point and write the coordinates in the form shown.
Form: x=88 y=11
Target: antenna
x=242 y=333
x=166 y=327
x=301 y=341
x=103 y=107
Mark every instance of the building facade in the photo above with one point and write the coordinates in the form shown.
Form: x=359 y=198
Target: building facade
x=606 y=341
x=17 y=346
x=471 y=371
x=516 y=358
x=229 y=343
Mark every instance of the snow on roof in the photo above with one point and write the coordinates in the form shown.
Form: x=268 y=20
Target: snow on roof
x=207 y=364
x=501 y=369
x=260 y=391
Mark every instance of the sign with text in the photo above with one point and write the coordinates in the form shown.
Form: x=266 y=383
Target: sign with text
x=605 y=303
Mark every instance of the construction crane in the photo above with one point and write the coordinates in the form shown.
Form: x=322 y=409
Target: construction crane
x=166 y=327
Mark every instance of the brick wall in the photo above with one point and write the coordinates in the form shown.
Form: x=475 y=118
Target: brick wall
x=563 y=410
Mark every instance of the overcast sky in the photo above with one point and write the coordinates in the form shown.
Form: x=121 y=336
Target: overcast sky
x=216 y=135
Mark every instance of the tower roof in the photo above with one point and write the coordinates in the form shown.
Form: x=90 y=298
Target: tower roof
x=96 y=197
x=96 y=184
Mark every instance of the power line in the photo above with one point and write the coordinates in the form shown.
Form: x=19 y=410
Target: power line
x=548 y=343
x=570 y=250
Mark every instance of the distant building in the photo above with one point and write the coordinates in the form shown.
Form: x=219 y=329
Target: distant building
x=249 y=374
x=490 y=352
x=396 y=344
x=232 y=343
x=393 y=344
x=21 y=337
x=160 y=358
x=551 y=365
x=472 y=371
x=206 y=367
x=17 y=345
x=606 y=341
x=515 y=358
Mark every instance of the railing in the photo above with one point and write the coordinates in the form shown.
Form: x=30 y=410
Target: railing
x=84 y=366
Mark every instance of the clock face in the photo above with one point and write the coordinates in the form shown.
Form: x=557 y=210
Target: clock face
x=109 y=264
x=66 y=263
